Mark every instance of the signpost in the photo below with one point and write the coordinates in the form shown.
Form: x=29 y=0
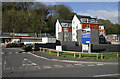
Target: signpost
x=86 y=38
x=86 y=43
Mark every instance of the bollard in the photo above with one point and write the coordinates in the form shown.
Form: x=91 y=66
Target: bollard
x=101 y=55
x=49 y=51
x=80 y=55
x=40 y=49
x=117 y=55
x=57 y=53
x=97 y=56
x=74 y=55
x=43 y=50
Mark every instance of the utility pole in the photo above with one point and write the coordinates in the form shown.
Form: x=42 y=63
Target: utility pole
x=40 y=35
x=13 y=33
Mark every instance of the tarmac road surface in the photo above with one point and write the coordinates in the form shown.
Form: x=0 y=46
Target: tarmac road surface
x=17 y=64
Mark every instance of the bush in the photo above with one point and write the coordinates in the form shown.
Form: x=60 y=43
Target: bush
x=13 y=45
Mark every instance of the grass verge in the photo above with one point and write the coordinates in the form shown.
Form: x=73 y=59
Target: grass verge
x=84 y=56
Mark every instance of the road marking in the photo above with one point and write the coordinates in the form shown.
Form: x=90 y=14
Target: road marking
x=16 y=52
x=10 y=52
x=4 y=64
x=82 y=65
x=105 y=75
x=58 y=66
x=77 y=64
x=2 y=53
x=69 y=65
x=29 y=62
x=99 y=64
x=38 y=67
x=91 y=65
x=46 y=66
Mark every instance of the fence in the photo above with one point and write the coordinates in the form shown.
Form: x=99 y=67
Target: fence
x=80 y=53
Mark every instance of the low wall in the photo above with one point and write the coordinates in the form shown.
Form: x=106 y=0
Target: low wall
x=106 y=48
x=73 y=47
x=94 y=48
x=47 y=45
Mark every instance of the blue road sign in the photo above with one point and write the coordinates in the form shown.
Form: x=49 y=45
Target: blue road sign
x=86 y=38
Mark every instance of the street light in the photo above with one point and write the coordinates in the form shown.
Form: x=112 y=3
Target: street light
x=13 y=32
x=40 y=35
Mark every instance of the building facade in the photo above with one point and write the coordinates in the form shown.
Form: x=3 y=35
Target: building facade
x=64 y=30
x=67 y=30
x=85 y=25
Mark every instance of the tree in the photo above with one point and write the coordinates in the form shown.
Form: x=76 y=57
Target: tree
x=110 y=27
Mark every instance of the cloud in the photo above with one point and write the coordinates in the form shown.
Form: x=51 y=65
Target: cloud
x=103 y=14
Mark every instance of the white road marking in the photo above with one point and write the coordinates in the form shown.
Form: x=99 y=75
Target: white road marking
x=77 y=64
x=58 y=66
x=46 y=66
x=69 y=65
x=2 y=53
x=99 y=64
x=28 y=64
x=105 y=75
x=38 y=67
x=91 y=65
x=16 y=52
x=4 y=64
x=10 y=52
x=82 y=65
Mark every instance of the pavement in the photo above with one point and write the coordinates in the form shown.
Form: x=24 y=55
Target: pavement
x=16 y=63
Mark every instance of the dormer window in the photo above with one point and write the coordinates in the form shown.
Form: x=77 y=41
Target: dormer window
x=84 y=20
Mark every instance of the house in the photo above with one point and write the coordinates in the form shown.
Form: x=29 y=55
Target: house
x=113 y=38
x=64 y=30
x=85 y=25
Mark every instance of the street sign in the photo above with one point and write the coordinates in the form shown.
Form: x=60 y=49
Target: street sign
x=85 y=47
x=86 y=38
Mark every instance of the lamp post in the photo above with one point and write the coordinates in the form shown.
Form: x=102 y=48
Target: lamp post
x=13 y=33
x=40 y=35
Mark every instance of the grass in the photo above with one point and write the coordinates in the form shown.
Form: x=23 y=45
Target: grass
x=84 y=56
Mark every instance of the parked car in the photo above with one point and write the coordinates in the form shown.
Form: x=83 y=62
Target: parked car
x=29 y=47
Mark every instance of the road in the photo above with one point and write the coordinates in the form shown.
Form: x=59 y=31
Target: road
x=23 y=64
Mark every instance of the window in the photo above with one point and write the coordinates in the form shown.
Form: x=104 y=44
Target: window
x=77 y=26
x=70 y=25
x=87 y=26
x=85 y=31
x=73 y=34
x=73 y=28
x=65 y=29
x=84 y=20
x=99 y=27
